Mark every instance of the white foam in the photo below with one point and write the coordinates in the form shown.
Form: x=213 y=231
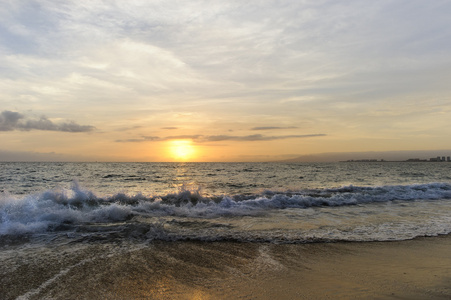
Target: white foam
x=46 y=211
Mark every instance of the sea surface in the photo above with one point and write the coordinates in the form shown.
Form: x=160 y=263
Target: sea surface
x=216 y=230
x=242 y=202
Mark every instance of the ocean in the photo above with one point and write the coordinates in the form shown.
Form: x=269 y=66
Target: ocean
x=58 y=218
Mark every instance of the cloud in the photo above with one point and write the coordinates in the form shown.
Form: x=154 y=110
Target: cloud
x=220 y=138
x=10 y=120
x=273 y=127
x=260 y=65
x=161 y=139
x=255 y=137
x=169 y=128
x=129 y=128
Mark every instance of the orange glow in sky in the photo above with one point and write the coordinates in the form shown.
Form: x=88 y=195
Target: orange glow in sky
x=166 y=82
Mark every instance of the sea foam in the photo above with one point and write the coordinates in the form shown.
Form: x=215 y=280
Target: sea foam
x=66 y=208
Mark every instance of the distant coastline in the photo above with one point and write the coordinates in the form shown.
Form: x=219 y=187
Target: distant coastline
x=373 y=156
x=432 y=159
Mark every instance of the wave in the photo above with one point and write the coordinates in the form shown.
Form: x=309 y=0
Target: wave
x=64 y=209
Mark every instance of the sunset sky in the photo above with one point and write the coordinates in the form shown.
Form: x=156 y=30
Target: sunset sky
x=222 y=80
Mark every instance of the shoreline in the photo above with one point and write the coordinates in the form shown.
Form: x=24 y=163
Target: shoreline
x=413 y=269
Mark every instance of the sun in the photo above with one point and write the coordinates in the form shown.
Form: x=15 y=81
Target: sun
x=182 y=150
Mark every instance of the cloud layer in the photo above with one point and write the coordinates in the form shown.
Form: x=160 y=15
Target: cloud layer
x=10 y=120
x=372 y=75
x=273 y=127
x=220 y=138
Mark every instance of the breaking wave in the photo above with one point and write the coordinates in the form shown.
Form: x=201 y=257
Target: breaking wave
x=65 y=209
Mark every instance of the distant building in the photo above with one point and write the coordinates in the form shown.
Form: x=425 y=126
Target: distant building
x=432 y=159
x=442 y=158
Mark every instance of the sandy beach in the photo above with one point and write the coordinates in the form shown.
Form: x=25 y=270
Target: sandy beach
x=414 y=269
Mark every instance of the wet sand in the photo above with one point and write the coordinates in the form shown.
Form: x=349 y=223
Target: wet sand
x=415 y=269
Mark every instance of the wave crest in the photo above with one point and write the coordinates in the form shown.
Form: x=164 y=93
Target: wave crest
x=61 y=209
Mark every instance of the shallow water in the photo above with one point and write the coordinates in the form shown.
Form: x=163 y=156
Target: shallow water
x=123 y=269
x=252 y=202
x=216 y=230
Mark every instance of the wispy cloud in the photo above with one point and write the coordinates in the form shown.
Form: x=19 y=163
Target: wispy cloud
x=273 y=128
x=11 y=120
x=218 y=67
x=256 y=137
x=220 y=138
x=161 y=139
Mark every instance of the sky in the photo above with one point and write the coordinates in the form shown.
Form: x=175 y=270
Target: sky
x=222 y=80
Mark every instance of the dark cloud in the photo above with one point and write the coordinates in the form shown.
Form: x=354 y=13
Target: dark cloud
x=195 y=137
x=220 y=138
x=132 y=140
x=273 y=127
x=254 y=137
x=169 y=128
x=152 y=138
x=129 y=128
x=10 y=120
x=161 y=139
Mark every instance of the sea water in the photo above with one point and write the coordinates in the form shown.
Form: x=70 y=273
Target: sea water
x=243 y=202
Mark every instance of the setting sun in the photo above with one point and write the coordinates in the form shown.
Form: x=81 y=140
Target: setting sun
x=182 y=150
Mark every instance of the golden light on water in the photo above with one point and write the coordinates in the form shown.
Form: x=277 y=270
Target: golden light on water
x=182 y=150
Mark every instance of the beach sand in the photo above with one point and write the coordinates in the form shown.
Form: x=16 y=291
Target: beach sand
x=414 y=269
